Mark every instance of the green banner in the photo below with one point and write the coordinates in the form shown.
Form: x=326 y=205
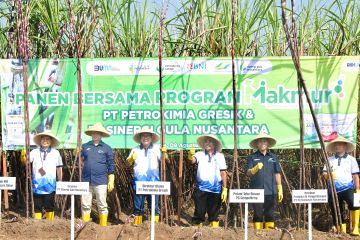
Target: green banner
x=124 y=95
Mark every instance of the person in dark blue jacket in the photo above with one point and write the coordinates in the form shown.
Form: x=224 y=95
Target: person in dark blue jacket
x=98 y=170
x=264 y=170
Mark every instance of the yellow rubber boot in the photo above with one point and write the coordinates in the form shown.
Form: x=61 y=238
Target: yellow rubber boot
x=86 y=217
x=355 y=214
x=103 y=220
x=38 y=216
x=157 y=218
x=258 y=225
x=269 y=225
x=343 y=228
x=214 y=224
x=49 y=215
x=138 y=220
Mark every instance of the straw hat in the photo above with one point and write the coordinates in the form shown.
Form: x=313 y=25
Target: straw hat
x=330 y=147
x=97 y=127
x=201 y=142
x=144 y=129
x=54 y=141
x=272 y=141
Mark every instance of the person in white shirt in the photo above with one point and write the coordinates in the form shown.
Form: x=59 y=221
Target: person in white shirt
x=211 y=180
x=146 y=159
x=46 y=166
x=345 y=173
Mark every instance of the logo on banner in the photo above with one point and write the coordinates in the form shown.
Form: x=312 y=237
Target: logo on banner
x=196 y=66
x=136 y=68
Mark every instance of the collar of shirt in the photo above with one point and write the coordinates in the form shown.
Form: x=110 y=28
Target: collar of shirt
x=210 y=157
x=339 y=158
x=146 y=149
x=45 y=150
x=100 y=143
x=259 y=153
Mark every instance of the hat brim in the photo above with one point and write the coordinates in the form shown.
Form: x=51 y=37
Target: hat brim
x=271 y=140
x=330 y=147
x=154 y=136
x=201 y=142
x=54 y=141
x=103 y=133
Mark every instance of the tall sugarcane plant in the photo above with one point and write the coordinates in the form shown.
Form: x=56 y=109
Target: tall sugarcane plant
x=126 y=28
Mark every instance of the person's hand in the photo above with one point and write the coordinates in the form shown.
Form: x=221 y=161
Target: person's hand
x=191 y=154
x=280 y=195
x=23 y=157
x=111 y=179
x=224 y=194
x=257 y=168
x=164 y=152
x=131 y=159
x=326 y=175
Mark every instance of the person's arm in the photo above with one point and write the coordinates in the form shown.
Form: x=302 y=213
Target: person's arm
x=59 y=173
x=223 y=178
x=278 y=179
x=356 y=182
x=110 y=161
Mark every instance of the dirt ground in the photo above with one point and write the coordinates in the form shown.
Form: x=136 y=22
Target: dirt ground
x=17 y=227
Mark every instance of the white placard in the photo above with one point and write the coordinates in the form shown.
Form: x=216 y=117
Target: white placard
x=156 y=188
x=8 y=183
x=310 y=196
x=356 y=199
x=72 y=188
x=246 y=195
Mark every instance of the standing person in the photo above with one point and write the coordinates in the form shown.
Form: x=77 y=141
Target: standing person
x=264 y=170
x=98 y=171
x=146 y=158
x=211 y=180
x=345 y=173
x=46 y=166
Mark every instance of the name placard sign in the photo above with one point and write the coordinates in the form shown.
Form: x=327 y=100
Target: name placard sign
x=149 y=188
x=246 y=195
x=72 y=188
x=8 y=183
x=309 y=196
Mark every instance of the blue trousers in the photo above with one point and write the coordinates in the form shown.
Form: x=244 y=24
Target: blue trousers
x=139 y=201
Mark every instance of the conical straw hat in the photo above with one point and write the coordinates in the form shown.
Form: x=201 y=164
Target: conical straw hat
x=272 y=141
x=201 y=142
x=137 y=135
x=330 y=147
x=97 y=127
x=54 y=140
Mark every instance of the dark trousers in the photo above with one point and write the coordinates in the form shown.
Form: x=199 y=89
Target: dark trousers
x=46 y=201
x=206 y=202
x=265 y=211
x=139 y=202
x=344 y=196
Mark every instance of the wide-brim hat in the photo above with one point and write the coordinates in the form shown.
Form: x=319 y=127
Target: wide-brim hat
x=97 y=127
x=272 y=141
x=154 y=136
x=330 y=147
x=54 y=140
x=201 y=142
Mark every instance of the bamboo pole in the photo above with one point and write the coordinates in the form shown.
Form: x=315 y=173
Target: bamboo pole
x=295 y=56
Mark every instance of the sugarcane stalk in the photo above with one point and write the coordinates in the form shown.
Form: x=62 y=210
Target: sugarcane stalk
x=295 y=56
